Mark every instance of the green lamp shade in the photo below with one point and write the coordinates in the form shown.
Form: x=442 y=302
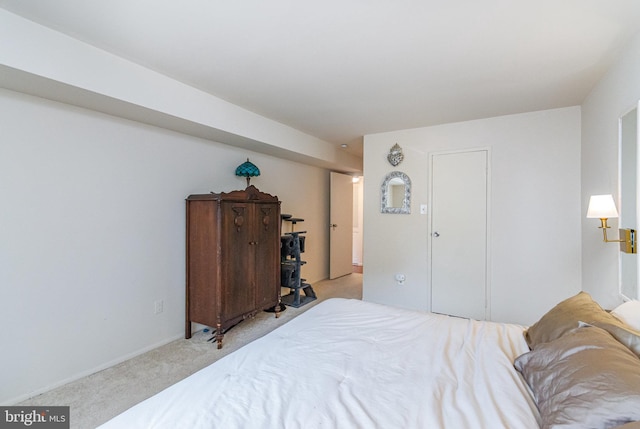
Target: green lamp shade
x=248 y=170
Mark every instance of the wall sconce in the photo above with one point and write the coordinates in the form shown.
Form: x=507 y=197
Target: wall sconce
x=603 y=208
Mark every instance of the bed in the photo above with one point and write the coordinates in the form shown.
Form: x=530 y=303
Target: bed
x=354 y=364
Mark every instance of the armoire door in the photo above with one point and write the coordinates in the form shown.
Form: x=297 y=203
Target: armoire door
x=459 y=233
x=238 y=293
x=267 y=254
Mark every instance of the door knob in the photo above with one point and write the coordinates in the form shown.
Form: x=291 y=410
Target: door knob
x=436 y=234
x=333 y=225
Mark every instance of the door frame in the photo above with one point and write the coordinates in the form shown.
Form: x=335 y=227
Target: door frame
x=487 y=310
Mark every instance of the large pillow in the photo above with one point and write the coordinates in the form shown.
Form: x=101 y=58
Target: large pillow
x=585 y=379
x=624 y=334
x=629 y=313
x=564 y=317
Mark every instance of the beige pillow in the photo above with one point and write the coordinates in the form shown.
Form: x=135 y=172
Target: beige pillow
x=632 y=425
x=564 y=317
x=585 y=379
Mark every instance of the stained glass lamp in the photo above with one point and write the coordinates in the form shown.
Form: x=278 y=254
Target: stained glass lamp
x=248 y=170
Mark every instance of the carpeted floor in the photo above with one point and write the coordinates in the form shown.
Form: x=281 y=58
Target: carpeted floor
x=103 y=395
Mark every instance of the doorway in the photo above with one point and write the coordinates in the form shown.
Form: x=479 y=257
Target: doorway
x=340 y=225
x=459 y=225
x=358 y=220
x=340 y=198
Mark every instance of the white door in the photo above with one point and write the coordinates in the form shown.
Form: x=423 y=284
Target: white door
x=341 y=226
x=459 y=234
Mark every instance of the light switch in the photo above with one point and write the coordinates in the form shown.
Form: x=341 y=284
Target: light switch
x=423 y=209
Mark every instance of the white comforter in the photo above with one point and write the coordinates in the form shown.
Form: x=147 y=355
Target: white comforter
x=353 y=364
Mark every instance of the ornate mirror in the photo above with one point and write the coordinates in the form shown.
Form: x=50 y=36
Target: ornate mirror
x=396 y=193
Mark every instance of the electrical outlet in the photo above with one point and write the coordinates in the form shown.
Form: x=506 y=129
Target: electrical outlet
x=159 y=306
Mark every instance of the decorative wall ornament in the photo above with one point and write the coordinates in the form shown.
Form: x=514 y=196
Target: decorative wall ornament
x=395 y=156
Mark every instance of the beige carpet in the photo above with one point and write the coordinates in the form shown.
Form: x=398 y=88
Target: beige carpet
x=103 y=395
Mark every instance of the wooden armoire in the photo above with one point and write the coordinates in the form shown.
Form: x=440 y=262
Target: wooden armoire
x=233 y=258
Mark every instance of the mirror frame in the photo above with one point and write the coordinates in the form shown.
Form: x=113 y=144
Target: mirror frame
x=628 y=148
x=384 y=189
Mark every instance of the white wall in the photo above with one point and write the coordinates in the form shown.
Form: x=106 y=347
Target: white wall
x=535 y=211
x=613 y=96
x=92 y=228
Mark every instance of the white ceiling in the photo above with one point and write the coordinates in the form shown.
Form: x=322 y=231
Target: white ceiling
x=341 y=69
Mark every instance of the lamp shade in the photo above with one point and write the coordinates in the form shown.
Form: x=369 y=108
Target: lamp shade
x=248 y=170
x=602 y=207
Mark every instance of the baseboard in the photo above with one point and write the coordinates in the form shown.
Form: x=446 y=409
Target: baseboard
x=89 y=372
